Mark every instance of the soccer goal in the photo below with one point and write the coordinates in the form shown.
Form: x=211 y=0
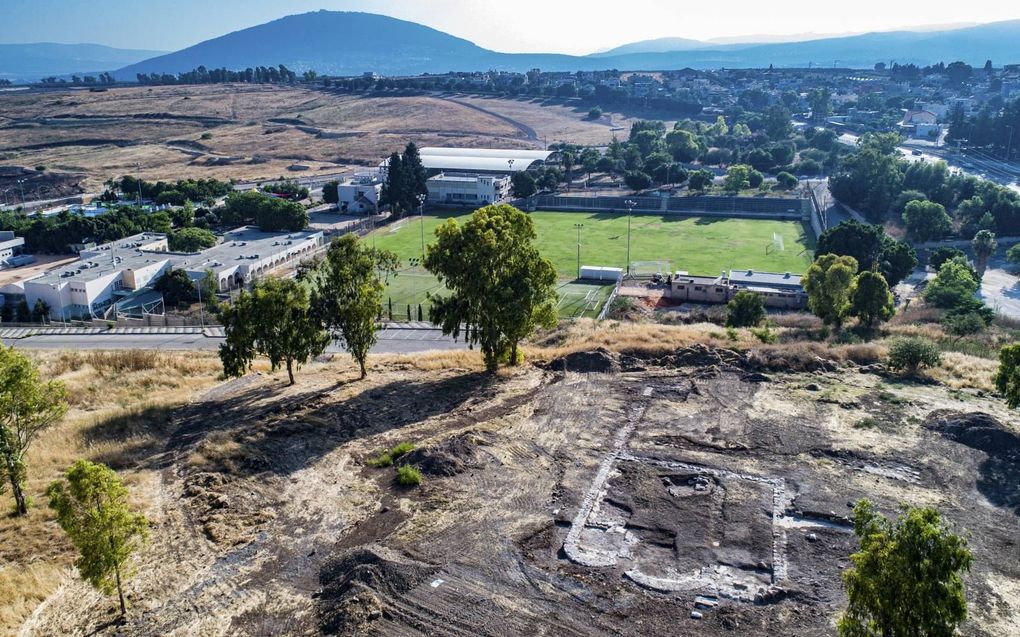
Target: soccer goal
x=648 y=269
x=776 y=245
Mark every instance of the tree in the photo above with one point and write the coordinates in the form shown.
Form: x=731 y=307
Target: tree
x=1013 y=254
x=786 y=181
x=869 y=179
x=827 y=283
x=684 y=145
x=911 y=353
x=959 y=72
x=905 y=579
x=275 y=215
x=191 y=240
x=984 y=246
x=738 y=178
x=522 y=185
x=819 y=99
x=40 y=311
x=699 y=180
x=176 y=287
x=595 y=113
x=1007 y=378
x=347 y=293
x=501 y=287
x=926 y=220
x=568 y=165
x=274 y=320
x=777 y=122
x=330 y=192
x=392 y=193
x=870 y=298
x=637 y=180
x=415 y=178
x=92 y=508
x=745 y=309
x=941 y=254
x=953 y=286
x=28 y=407
x=897 y=260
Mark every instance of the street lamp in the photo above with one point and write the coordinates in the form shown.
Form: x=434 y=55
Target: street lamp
x=630 y=203
x=578 y=226
x=21 y=184
x=421 y=217
x=1009 y=144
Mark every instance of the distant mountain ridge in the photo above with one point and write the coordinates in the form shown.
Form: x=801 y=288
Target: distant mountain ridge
x=42 y=59
x=350 y=43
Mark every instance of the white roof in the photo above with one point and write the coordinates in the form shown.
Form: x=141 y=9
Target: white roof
x=475 y=164
x=497 y=153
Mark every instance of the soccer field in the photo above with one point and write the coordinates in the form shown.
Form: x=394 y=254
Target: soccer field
x=699 y=245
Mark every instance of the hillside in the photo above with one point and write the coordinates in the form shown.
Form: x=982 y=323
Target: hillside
x=596 y=494
x=349 y=43
x=33 y=61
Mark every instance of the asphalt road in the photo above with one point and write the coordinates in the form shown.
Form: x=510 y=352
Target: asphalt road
x=398 y=341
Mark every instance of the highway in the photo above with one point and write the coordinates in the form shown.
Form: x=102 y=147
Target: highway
x=391 y=341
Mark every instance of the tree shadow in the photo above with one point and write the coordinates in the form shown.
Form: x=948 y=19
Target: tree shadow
x=287 y=435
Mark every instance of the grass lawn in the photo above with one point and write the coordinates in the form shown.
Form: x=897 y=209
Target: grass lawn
x=699 y=245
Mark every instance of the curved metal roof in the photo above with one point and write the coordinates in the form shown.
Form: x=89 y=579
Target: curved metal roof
x=496 y=153
x=474 y=164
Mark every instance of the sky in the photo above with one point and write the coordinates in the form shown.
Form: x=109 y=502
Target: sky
x=547 y=26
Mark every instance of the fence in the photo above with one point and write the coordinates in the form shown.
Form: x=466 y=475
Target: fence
x=782 y=208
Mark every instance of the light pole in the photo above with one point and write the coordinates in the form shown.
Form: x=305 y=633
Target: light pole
x=1009 y=144
x=21 y=185
x=421 y=217
x=630 y=203
x=578 y=226
x=412 y=264
x=201 y=307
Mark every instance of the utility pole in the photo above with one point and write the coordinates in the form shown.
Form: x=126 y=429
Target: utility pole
x=630 y=203
x=1009 y=144
x=578 y=226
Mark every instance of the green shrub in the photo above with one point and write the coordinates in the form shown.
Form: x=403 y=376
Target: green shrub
x=402 y=449
x=386 y=458
x=745 y=309
x=408 y=476
x=765 y=335
x=867 y=422
x=960 y=325
x=732 y=334
x=910 y=354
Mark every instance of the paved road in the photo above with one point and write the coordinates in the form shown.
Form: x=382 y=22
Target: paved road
x=391 y=341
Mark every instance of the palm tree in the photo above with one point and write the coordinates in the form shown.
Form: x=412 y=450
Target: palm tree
x=984 y=246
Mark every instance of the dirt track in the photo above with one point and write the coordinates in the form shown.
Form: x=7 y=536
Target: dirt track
x=553 y=504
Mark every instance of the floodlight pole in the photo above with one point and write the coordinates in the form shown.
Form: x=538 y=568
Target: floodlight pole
x=630 y=203
x=421 y=217
x=578 y=226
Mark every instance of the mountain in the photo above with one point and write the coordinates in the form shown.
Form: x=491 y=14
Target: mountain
x=34 y=61
x=349 y=43
x=659 y=45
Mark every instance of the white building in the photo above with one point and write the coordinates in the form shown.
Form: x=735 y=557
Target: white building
x=113 y=272
x=467 y=190
x=10 y=246
x=359 y=194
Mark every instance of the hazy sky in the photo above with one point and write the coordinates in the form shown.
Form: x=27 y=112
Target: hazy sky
x=561 y=26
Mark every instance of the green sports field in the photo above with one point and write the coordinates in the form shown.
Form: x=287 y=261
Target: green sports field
x=699 y=245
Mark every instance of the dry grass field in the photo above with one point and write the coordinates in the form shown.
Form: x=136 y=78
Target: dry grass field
x=257 y=132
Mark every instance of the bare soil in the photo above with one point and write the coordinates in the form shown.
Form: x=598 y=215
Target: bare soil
x=256 y=132
x=553 y=502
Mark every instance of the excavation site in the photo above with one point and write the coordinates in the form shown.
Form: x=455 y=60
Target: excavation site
x=694 y=493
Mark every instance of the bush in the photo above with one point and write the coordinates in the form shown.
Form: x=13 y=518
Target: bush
x=1007 y=378
x=745 y=309
x=387 y=458
x=765 y=335
x=960 y=325
x=910 y=354
x=408 y=476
